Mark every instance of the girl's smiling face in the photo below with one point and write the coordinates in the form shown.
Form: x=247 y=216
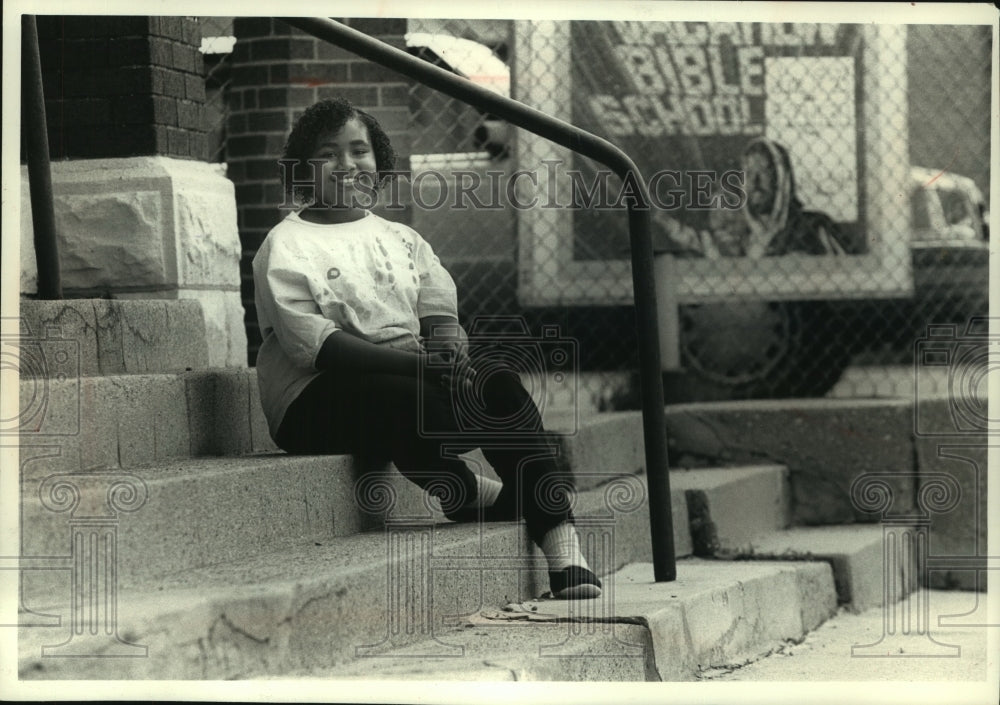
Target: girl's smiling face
x=345 y=169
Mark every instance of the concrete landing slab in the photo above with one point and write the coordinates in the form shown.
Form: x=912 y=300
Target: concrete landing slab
x=637 y=630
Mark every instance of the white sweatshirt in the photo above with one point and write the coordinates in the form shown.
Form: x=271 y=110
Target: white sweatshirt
x=372 y=277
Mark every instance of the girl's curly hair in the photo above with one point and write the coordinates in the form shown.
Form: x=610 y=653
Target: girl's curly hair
x=322 y=118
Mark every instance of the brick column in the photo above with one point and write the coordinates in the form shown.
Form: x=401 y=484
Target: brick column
x=123 y=86
x=140 y=214
x=277 y=72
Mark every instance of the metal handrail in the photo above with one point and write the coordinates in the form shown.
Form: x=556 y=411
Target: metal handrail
x=39 y=170
x=643 y=281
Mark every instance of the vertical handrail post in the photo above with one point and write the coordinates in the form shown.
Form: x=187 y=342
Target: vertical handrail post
x=33 y=126
x=654 y=423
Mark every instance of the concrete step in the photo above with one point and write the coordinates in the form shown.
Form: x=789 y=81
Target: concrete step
x=317 y=620
x=639 y=630
x=128 y=420
x=741 y=513
x=312 y=603
x=873 y=566
x=197 y=512
x=728 y=506
x=74 y=337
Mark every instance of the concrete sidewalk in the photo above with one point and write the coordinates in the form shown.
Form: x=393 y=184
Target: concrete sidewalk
x=952 y=647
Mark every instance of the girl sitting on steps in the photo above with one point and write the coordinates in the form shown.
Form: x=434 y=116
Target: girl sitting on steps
x=362 y=352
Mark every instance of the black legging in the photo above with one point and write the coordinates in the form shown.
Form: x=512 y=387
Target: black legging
x=410 y=422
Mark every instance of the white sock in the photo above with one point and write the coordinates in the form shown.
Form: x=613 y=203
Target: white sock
x=488 y=491
x=561 y=547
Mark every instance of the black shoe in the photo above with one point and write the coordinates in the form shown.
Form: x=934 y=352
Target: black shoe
x=504 y=509
x=574 y=583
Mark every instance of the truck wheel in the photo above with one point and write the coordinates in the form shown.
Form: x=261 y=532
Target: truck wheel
x=758 y=349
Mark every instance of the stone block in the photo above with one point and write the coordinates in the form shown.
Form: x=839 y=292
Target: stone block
x=111 y=240
x=89 y=337
x=222 y=313
x=222 y=322
x=826 y=445
x=109 y=422
x=147 y=227
x=205 y=221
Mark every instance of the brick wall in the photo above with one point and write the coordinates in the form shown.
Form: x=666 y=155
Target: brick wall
x=278 y=71
x=123 y=86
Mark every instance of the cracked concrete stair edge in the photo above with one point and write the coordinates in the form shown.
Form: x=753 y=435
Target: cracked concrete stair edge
x=125 y=421
x=128 y=420
x=639 y=630
x=73 y=337
x=306 y=605
x=203 y=511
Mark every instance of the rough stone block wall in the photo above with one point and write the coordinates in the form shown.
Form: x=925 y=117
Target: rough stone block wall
x=123 y=86
x=278 y=71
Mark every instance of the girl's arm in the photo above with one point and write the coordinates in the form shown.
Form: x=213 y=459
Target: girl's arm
x=343 y=351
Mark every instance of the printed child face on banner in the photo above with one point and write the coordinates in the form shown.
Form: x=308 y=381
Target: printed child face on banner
x=759 y=182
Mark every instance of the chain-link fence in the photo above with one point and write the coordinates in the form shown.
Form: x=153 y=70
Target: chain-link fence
x=217 y=41
x=817 y=190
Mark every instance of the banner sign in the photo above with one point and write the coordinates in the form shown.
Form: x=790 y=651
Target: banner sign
x=758 y=142
x=691 y=97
